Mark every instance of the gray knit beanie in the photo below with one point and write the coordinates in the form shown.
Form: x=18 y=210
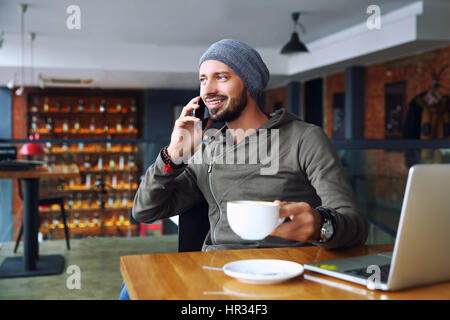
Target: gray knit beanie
x=245 y=62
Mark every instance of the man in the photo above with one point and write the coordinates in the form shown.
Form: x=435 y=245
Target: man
x=310 y=184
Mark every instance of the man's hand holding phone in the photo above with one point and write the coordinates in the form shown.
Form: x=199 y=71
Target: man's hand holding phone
x=187 y=133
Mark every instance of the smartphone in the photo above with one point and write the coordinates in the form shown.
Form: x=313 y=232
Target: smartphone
x=201 y=113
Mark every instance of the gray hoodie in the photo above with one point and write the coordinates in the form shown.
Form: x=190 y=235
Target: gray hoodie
x=295 y=161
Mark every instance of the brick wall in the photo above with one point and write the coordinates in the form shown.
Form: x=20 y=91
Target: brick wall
x=414 y=70
x=386 y=172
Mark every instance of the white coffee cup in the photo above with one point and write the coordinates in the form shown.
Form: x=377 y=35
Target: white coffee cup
x=253 y=220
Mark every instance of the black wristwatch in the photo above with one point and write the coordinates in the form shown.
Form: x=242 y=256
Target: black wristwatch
x=329 y=225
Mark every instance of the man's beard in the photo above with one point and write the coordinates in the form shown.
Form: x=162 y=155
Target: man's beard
x=233 y=111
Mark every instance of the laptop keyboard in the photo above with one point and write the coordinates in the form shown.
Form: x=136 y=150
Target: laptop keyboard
x=362 y=273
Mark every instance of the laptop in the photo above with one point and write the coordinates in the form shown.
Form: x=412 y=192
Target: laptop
x=421 y=253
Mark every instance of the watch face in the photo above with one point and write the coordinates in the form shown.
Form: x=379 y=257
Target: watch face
x=327 y=230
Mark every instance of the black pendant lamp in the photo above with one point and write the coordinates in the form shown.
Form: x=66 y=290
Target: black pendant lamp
x=294 y=45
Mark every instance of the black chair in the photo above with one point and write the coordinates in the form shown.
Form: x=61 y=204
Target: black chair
x=193 y=226
x=47 y=201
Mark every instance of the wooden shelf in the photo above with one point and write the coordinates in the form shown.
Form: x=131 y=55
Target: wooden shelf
x=85 y=210
x=88 y=153
x=83 y=170
x=91 y=231
x=74 y=114
x=39 y=120
x=91 y=135
x=67 y=191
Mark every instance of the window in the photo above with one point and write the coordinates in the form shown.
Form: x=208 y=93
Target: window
x=339 y=115
x=394 y=110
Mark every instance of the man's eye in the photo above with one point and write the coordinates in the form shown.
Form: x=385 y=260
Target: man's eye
x=222 y=77
x=202 y=80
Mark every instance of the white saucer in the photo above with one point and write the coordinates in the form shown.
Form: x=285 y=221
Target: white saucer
x=263 y=271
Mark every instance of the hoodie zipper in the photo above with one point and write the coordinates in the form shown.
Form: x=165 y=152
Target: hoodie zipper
x=210 y=167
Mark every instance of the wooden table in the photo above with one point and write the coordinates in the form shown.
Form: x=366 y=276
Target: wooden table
x=31 y=264
x=180 y=276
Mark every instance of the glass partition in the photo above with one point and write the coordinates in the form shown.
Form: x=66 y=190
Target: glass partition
x=99 y=201
x=378 y=178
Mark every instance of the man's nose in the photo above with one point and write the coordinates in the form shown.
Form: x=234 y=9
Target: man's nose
x=209 y=88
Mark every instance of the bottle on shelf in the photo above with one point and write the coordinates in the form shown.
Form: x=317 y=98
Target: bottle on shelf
x=122 y=162
x=125 y=200
x=34 y=124
x=106 y=127
x=70 y=202
x=46 y=224
x=49 y=125
x=80 y=146
x=79 y=201
x=55 y=221
x=57 y=107
x=92 y=125
x=89 y=201
x=114 y=181
x=96 y=221
x=119 y=108
x=34 y=106
x=103 y=107
x=46 y=106
x=69 y=108
x=133 y=107
x=71 y=183
x=77 y=125
x=87 y=221
x=92 y=108
x=88 y=181
x=99 y=201
x=87 y=162
x=110 y=201
x=108 y=144
x=100 y=163
x=131 y=125
x=119 y=126
x=131 y=163
x=84 y=223
x=76 y=221
x=65 y=126
x=112 y=164
x=80 y=106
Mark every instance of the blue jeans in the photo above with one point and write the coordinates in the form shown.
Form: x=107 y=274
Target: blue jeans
x=124 y=293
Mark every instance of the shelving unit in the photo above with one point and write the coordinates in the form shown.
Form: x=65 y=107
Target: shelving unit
x=99 y=202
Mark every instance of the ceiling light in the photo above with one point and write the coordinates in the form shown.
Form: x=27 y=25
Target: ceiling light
x=19 y=91
x=11 y=83
x=294 y=45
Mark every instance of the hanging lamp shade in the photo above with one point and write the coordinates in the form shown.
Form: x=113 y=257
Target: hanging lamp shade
x=294 y=45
